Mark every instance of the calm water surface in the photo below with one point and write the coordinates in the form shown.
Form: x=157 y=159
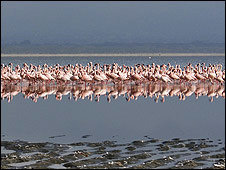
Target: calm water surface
x=25 y=120
x=130 y=61
x=68 y=121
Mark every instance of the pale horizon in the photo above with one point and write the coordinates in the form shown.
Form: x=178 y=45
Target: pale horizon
x=114 y=55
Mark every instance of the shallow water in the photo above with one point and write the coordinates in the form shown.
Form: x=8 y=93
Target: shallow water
x=68 y=121
x=130 y=61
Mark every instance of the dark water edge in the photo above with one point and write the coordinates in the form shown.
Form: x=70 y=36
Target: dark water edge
x=148 y=153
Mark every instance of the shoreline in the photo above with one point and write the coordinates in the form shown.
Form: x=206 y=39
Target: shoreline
x=116 y=55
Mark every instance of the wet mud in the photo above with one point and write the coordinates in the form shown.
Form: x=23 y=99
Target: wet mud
x=149 y=153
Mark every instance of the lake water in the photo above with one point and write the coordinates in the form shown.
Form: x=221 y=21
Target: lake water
x=68 y=121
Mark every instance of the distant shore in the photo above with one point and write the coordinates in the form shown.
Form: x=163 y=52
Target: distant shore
x=115 y=55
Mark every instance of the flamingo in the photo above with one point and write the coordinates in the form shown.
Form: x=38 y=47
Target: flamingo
x=42 y=77
x=116 y=73
x=165 y=78
x=97 y=77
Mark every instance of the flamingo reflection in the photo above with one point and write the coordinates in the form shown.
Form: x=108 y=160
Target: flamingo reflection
x=130 y=92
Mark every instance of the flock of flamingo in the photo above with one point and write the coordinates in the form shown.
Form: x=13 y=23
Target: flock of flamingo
x=94 y=73
x=133 y=91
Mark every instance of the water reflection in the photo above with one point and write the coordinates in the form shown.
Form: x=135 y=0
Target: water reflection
x=157 y=91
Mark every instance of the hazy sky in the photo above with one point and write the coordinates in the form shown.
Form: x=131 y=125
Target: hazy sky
x=98 y=22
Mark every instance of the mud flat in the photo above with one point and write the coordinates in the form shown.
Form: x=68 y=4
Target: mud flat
x=149 y=153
